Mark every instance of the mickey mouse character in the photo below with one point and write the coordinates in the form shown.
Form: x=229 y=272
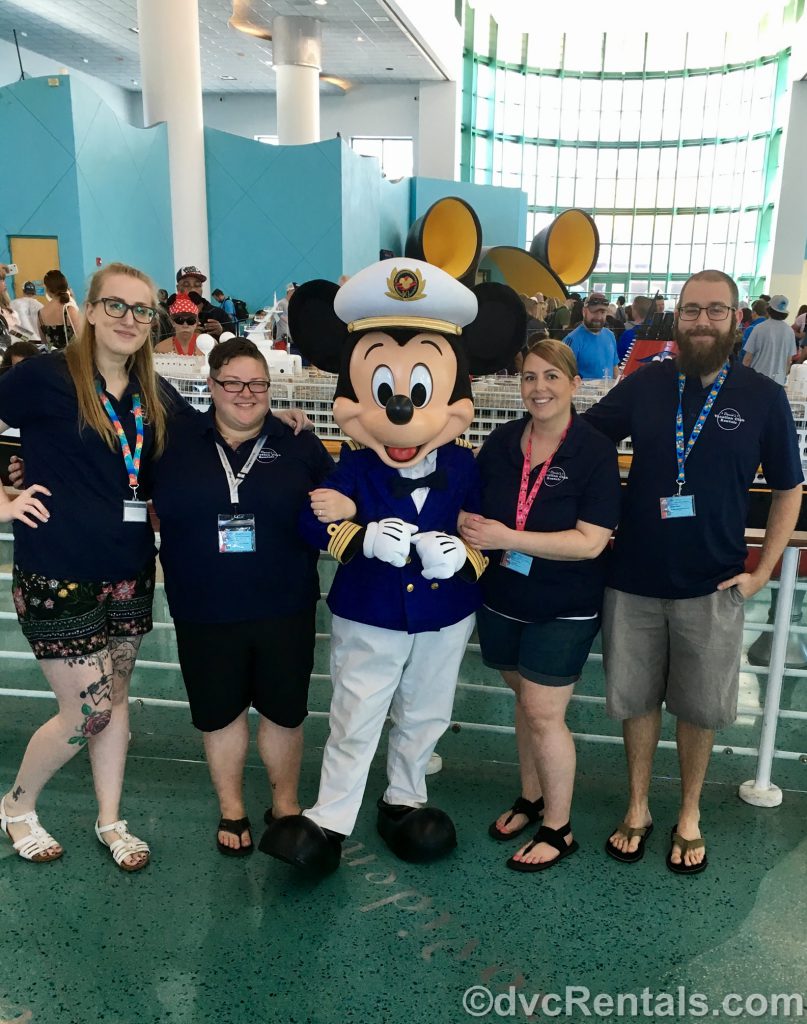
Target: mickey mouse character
x=403 y=337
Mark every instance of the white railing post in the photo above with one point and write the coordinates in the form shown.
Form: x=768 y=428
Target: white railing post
x=761 y=792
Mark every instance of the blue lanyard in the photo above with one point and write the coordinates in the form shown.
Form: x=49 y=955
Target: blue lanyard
x=681 y=452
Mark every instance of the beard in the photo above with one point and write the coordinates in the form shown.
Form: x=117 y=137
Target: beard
x=700 y=358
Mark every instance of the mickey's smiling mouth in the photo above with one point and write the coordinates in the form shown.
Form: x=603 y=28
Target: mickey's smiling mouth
x=402 y=454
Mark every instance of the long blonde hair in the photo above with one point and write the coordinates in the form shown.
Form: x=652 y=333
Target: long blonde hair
x=80 y=355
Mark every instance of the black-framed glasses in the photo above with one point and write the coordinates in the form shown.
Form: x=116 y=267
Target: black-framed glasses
x=184 y=319
x=236 y=387
x=715 y=311
x=118 y=309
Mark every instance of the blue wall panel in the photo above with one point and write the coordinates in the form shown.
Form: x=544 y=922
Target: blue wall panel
x=502 y=212
x=396 y=199
x=37 y=169
x=123 y=189
x=274 y=214
x=361 y=210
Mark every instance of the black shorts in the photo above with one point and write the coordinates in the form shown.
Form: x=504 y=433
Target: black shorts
x=266 y=663
x=72 y=618
x=550 y=653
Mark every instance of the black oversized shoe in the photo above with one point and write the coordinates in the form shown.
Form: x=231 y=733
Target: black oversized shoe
x=299 y=841
x=416 y=834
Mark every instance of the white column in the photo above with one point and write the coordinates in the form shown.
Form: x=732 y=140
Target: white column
x=172 y=92
x=437 y=148
x=297 y=59
x=788 y=266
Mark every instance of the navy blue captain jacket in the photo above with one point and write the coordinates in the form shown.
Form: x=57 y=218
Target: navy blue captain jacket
x=378 y=594
x=750 y=425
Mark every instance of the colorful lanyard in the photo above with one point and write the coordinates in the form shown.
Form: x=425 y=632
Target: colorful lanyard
x=681 y=452
x=132 y=464
x=525 y=501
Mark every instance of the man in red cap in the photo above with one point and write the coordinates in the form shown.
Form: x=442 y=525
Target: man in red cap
x=212 y=319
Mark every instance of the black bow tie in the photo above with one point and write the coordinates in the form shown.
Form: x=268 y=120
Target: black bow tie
x=402 y=486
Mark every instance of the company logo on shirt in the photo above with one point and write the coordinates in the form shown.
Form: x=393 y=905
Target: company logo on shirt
x=267 y=455
x=555 y=476
x=729 y=419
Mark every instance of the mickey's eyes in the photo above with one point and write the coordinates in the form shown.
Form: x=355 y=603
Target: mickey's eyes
x=420 y=385
x=383 y=385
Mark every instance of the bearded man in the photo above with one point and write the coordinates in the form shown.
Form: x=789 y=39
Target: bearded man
x=673 y=615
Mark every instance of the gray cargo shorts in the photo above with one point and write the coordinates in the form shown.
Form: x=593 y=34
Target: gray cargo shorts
x=684 y=652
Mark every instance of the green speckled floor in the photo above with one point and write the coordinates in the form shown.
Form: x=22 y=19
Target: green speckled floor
x=198 y=937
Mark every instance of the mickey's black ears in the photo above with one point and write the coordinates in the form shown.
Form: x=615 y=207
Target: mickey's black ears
x=315 y=329
x=499 y=330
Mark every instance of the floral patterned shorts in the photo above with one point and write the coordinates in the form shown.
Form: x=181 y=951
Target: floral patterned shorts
x=66 y=618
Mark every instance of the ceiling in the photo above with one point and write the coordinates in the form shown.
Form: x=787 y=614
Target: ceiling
x=99 y=37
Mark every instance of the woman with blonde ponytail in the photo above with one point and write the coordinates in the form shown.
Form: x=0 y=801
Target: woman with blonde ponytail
x=91 y=419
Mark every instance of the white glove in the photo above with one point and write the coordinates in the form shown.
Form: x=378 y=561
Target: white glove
x=389 y=540
x=441 y=555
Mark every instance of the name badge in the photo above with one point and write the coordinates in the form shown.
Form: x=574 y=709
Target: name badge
x=679 y=506
x=517 y=561
x=135 y=512
x=236 y=534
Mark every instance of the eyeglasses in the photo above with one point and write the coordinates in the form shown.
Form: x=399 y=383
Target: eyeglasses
x=118 y=309
x=236 y=387
x=715 y=311
x=184 y=319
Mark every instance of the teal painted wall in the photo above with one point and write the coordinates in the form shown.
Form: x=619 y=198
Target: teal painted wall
x=502 y=212
x=396 y=201
x=37 y=170
x=274 y=214
x=81 y=174
x=361 y=210
x=123 y=189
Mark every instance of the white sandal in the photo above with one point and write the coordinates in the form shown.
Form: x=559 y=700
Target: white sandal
x=124 y=846
x=35 y=845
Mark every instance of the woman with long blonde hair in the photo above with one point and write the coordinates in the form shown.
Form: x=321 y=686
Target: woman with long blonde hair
x=91 y=418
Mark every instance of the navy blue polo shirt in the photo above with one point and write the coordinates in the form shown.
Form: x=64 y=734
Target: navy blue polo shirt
x=582 y=485
x=750 y=425
x=85 y=538
x=190 y=491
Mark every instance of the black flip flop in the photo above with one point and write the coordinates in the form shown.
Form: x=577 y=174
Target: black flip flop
x=684 y=845
x=628 y=832
x=534 y=809
x=235 y=826
x=553 y=837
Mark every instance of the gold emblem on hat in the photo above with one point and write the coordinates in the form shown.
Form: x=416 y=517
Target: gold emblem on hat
x=405 y=285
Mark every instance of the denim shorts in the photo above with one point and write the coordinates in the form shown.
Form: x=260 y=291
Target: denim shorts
x=72 y=618
x=550 y=653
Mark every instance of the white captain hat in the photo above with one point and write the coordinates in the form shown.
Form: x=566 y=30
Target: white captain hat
x=403 y=292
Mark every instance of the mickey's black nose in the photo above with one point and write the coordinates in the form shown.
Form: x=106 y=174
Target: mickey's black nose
x=400 y=409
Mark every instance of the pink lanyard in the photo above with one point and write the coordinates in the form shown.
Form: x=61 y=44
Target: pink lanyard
x=525 y=501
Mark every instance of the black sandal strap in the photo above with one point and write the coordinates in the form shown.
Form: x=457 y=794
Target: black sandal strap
x=235 y=826
x=553 y=837
x=531 y=809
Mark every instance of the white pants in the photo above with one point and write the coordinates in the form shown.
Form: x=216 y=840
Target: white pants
x=413 y=676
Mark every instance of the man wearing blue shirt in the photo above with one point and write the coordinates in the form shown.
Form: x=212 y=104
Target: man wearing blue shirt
x=593 y=344
x=760 y=310
x=673 y=614
x=225 y=303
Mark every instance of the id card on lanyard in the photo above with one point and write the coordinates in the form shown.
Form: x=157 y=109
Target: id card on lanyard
x=682 y=506
x=236 y=530
x=518 y=561
x=134 y=511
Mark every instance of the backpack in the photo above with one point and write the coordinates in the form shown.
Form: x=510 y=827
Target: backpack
x=241 y=311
